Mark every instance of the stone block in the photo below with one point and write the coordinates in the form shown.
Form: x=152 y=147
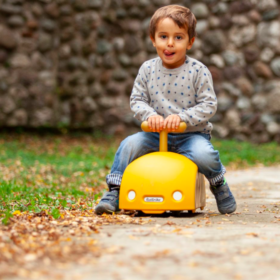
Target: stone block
x=275 y=66
x=7 y=38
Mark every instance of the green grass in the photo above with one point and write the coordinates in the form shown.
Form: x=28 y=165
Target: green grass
x=74 y=160
x=58 y=173
x=247 y=154
x=52 y=174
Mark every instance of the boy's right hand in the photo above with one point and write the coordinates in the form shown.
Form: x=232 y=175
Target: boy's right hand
x=155 y=123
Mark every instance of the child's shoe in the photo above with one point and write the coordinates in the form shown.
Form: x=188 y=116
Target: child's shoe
x=109 y=203
x=224 y=198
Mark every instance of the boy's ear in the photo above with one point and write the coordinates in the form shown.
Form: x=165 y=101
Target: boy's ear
x=191 y=43
x=153 y=40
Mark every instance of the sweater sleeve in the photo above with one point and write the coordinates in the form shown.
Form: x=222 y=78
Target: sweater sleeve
x=205 y=99
x=140 y=98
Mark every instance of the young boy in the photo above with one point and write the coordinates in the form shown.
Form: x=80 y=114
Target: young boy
x=170 y=89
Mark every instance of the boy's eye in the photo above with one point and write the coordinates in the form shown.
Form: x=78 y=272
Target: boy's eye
x=178 y=37
x=163 y=36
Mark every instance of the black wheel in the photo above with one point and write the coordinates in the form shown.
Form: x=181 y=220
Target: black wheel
x=140 y=213
x=176 y=213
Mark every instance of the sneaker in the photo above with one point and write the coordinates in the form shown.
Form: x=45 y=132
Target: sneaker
x=224 y=198
x=109 y=203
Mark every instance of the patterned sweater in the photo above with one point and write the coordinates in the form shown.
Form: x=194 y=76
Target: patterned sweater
x=186 y=91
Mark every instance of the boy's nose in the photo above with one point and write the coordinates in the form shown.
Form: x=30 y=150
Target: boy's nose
x=170 y=42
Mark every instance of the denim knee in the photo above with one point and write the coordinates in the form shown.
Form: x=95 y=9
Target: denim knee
x=136 y=145
x=205 y=157
x=207 y=160
x=132 y=145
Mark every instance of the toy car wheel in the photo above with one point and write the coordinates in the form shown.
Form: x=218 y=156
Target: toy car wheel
x=141 y=213
x=176 y=213
x=191 y=211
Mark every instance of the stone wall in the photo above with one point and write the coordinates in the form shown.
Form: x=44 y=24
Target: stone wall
x=72 y=63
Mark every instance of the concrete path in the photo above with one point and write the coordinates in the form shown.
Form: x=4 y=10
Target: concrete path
x=204 y=245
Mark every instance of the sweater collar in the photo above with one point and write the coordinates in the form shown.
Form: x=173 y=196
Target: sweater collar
x=174 y=70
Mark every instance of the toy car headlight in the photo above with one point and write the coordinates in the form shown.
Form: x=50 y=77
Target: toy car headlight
x=177 y=195
x=131 y=195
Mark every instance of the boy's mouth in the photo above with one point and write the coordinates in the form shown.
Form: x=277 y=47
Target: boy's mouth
x=168 y=53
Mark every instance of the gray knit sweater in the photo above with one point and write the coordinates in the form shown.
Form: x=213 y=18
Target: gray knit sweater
x=186 y=91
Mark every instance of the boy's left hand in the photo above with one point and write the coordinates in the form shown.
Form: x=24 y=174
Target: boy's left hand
x=172 y=122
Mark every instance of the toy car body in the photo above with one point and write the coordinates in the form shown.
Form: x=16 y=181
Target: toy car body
x=162 y=181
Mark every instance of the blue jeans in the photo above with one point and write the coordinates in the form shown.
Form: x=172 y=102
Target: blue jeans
x=194 y=145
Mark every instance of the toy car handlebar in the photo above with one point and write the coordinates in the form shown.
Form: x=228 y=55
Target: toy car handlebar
x=163 y=135
x=182 y=127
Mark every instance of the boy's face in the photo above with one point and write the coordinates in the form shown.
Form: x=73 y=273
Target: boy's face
x=171 y=43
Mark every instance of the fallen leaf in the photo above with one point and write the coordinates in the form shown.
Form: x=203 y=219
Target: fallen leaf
x=253 y=234
x=133 y=237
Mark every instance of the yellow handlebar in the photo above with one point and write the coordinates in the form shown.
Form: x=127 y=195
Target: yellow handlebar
x=163 y=134
x=182 y=127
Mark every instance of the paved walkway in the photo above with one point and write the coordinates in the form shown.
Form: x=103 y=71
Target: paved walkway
x=205 y=245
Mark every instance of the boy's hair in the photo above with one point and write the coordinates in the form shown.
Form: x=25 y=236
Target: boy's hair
x=182 y=16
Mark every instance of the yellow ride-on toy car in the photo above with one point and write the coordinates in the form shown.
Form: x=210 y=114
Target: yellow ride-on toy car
x=162 y=181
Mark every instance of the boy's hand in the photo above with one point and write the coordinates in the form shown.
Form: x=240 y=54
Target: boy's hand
x=172 y=122
x=155 y=123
